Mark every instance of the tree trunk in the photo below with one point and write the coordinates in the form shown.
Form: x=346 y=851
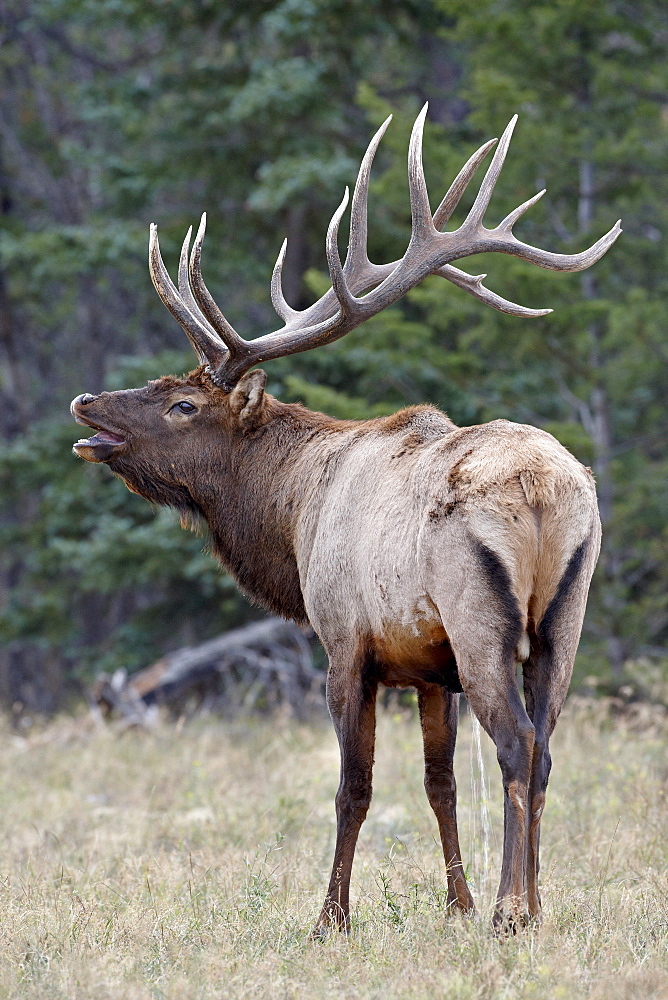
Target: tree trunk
x=600 y=430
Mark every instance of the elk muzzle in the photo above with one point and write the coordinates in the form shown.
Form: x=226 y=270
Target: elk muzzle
x=105 y=443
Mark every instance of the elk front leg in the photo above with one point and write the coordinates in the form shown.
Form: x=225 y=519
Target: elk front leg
x=439 y=713
x=351 y=698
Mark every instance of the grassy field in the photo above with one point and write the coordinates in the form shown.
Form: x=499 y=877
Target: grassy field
x=191 y=862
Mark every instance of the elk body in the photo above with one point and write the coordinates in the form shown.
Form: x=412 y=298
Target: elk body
x=423 y=554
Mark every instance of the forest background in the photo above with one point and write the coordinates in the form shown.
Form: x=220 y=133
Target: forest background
x=118 y=113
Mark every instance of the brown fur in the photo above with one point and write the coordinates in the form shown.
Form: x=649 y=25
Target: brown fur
x=422 y=554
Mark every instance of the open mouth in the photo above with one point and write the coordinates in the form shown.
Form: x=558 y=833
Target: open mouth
x=101 y=446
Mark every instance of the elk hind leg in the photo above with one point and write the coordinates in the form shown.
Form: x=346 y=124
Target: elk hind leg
x=485 y=626
x=439 y=711
x=489 y=682
x=547 y=675
x=351 y=697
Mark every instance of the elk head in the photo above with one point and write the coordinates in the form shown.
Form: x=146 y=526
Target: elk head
x=156 y=437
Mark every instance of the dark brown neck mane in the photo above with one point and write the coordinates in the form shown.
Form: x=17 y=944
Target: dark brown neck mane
x=256 y=514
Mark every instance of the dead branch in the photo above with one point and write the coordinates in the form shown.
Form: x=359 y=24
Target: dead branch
x=263 y=667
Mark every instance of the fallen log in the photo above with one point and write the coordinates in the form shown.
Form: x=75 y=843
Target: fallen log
x=264 y=666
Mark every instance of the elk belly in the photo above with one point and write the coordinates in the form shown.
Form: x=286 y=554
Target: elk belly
x=415 y=655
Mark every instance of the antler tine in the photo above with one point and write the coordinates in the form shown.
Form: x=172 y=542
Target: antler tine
x=473 y=283
x=357 y=258
x=481 y=202
x=185 y=290
x=513 y=216
x=345 y=299
x=208 y=348
x=556 y=261
x=460 y=183
x=285 y=311
x=502 y=240
x=423 y=227
x=225 y=331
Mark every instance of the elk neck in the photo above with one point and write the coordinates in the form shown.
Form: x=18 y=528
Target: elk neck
x=252 y=508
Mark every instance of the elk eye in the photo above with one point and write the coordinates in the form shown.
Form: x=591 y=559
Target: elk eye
x=185 y=407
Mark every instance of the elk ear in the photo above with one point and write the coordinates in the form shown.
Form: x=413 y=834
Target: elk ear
x=247 y=399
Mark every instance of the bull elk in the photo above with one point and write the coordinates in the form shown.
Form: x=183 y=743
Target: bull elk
x=423 y=554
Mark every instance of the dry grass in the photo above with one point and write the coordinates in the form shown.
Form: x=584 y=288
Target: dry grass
x=192 y=864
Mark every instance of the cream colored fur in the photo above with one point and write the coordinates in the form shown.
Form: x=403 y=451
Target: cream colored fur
x=393 y=556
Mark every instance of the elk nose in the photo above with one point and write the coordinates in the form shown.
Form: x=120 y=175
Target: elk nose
x=81 y=400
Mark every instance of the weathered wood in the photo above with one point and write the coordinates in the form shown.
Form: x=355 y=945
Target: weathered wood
x=265 y=665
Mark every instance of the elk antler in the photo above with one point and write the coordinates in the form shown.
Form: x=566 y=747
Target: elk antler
x=346 y=305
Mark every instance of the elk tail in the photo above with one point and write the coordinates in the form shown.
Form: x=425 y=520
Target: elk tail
x=538 y=485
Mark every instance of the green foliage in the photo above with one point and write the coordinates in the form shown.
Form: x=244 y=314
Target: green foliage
x=586 y=78
x=116 y=113
x=105 y=580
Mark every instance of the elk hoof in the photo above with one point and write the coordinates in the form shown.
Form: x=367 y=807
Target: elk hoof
x=458 y=909
x=462 y=902
x=510 y=919
x=320 y=932
x=332 y=918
